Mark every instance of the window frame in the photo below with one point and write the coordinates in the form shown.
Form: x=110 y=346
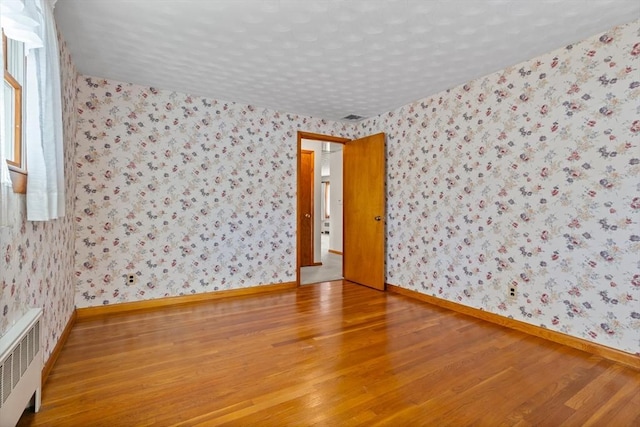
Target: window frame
x=327 y=200
x=17 y=165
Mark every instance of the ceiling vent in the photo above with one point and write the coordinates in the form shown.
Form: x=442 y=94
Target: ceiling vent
x=353 y=117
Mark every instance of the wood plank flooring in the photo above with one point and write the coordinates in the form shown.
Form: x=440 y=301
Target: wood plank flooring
x=332 y=354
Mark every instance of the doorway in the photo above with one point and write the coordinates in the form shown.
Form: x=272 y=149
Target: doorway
x=363 y=210
x=323 y=237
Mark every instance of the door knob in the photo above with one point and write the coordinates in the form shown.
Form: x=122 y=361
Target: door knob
x=307 y=215
x=378 y=218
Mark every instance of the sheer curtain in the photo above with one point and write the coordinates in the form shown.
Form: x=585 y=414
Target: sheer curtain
x=32 y=22
x=18 y=25
x=45 y=181
x=5 y=180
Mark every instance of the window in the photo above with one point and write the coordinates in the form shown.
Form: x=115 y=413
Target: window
x=13 y=136
x=31 y=22
x=327 y=200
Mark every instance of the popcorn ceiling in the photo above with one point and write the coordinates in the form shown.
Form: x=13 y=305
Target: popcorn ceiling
x=327 y=59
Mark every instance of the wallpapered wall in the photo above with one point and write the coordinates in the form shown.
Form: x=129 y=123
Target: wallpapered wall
x=36 y=266
x=527 y=177
x=186 y=193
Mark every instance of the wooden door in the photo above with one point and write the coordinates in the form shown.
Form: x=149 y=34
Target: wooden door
x=306 y=208
x=364 y=211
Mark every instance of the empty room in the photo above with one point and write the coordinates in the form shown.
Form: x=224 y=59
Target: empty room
x=323 y=212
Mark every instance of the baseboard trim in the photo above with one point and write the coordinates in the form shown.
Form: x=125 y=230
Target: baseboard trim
x=46 y=370
x=609 y=353
x=104 y=310
x=335 y=252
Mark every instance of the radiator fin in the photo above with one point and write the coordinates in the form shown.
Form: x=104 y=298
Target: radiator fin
x=6 y=378
x=24 y=355
x=15 y=372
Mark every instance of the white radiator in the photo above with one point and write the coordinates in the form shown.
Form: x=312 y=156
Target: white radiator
x=20 y=368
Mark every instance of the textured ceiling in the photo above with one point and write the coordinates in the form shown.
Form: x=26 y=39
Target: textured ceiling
x=325 y=58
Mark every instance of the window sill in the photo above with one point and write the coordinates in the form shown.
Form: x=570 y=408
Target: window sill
x=18 y=179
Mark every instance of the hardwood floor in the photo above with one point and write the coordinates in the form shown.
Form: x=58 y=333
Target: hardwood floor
x=329 y=354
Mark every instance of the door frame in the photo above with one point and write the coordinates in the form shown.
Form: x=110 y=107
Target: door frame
x=313 y=137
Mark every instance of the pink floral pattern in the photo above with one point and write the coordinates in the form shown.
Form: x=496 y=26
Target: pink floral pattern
x=187 y=194
x=529 y=177
x=36 y=259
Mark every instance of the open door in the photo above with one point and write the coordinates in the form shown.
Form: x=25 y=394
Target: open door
x=306 y=219
x=364 y=211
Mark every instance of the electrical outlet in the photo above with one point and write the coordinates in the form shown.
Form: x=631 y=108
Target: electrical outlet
x=512 y=291
x=131 y=279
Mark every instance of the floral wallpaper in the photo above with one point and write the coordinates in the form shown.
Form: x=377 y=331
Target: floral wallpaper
x=187 y=194
x=528 y=177
x=36 y=258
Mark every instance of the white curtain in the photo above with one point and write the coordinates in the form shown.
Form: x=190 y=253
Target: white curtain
x=45 y=156
x=32 y=22
x=18 y=25
x=5 y=180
